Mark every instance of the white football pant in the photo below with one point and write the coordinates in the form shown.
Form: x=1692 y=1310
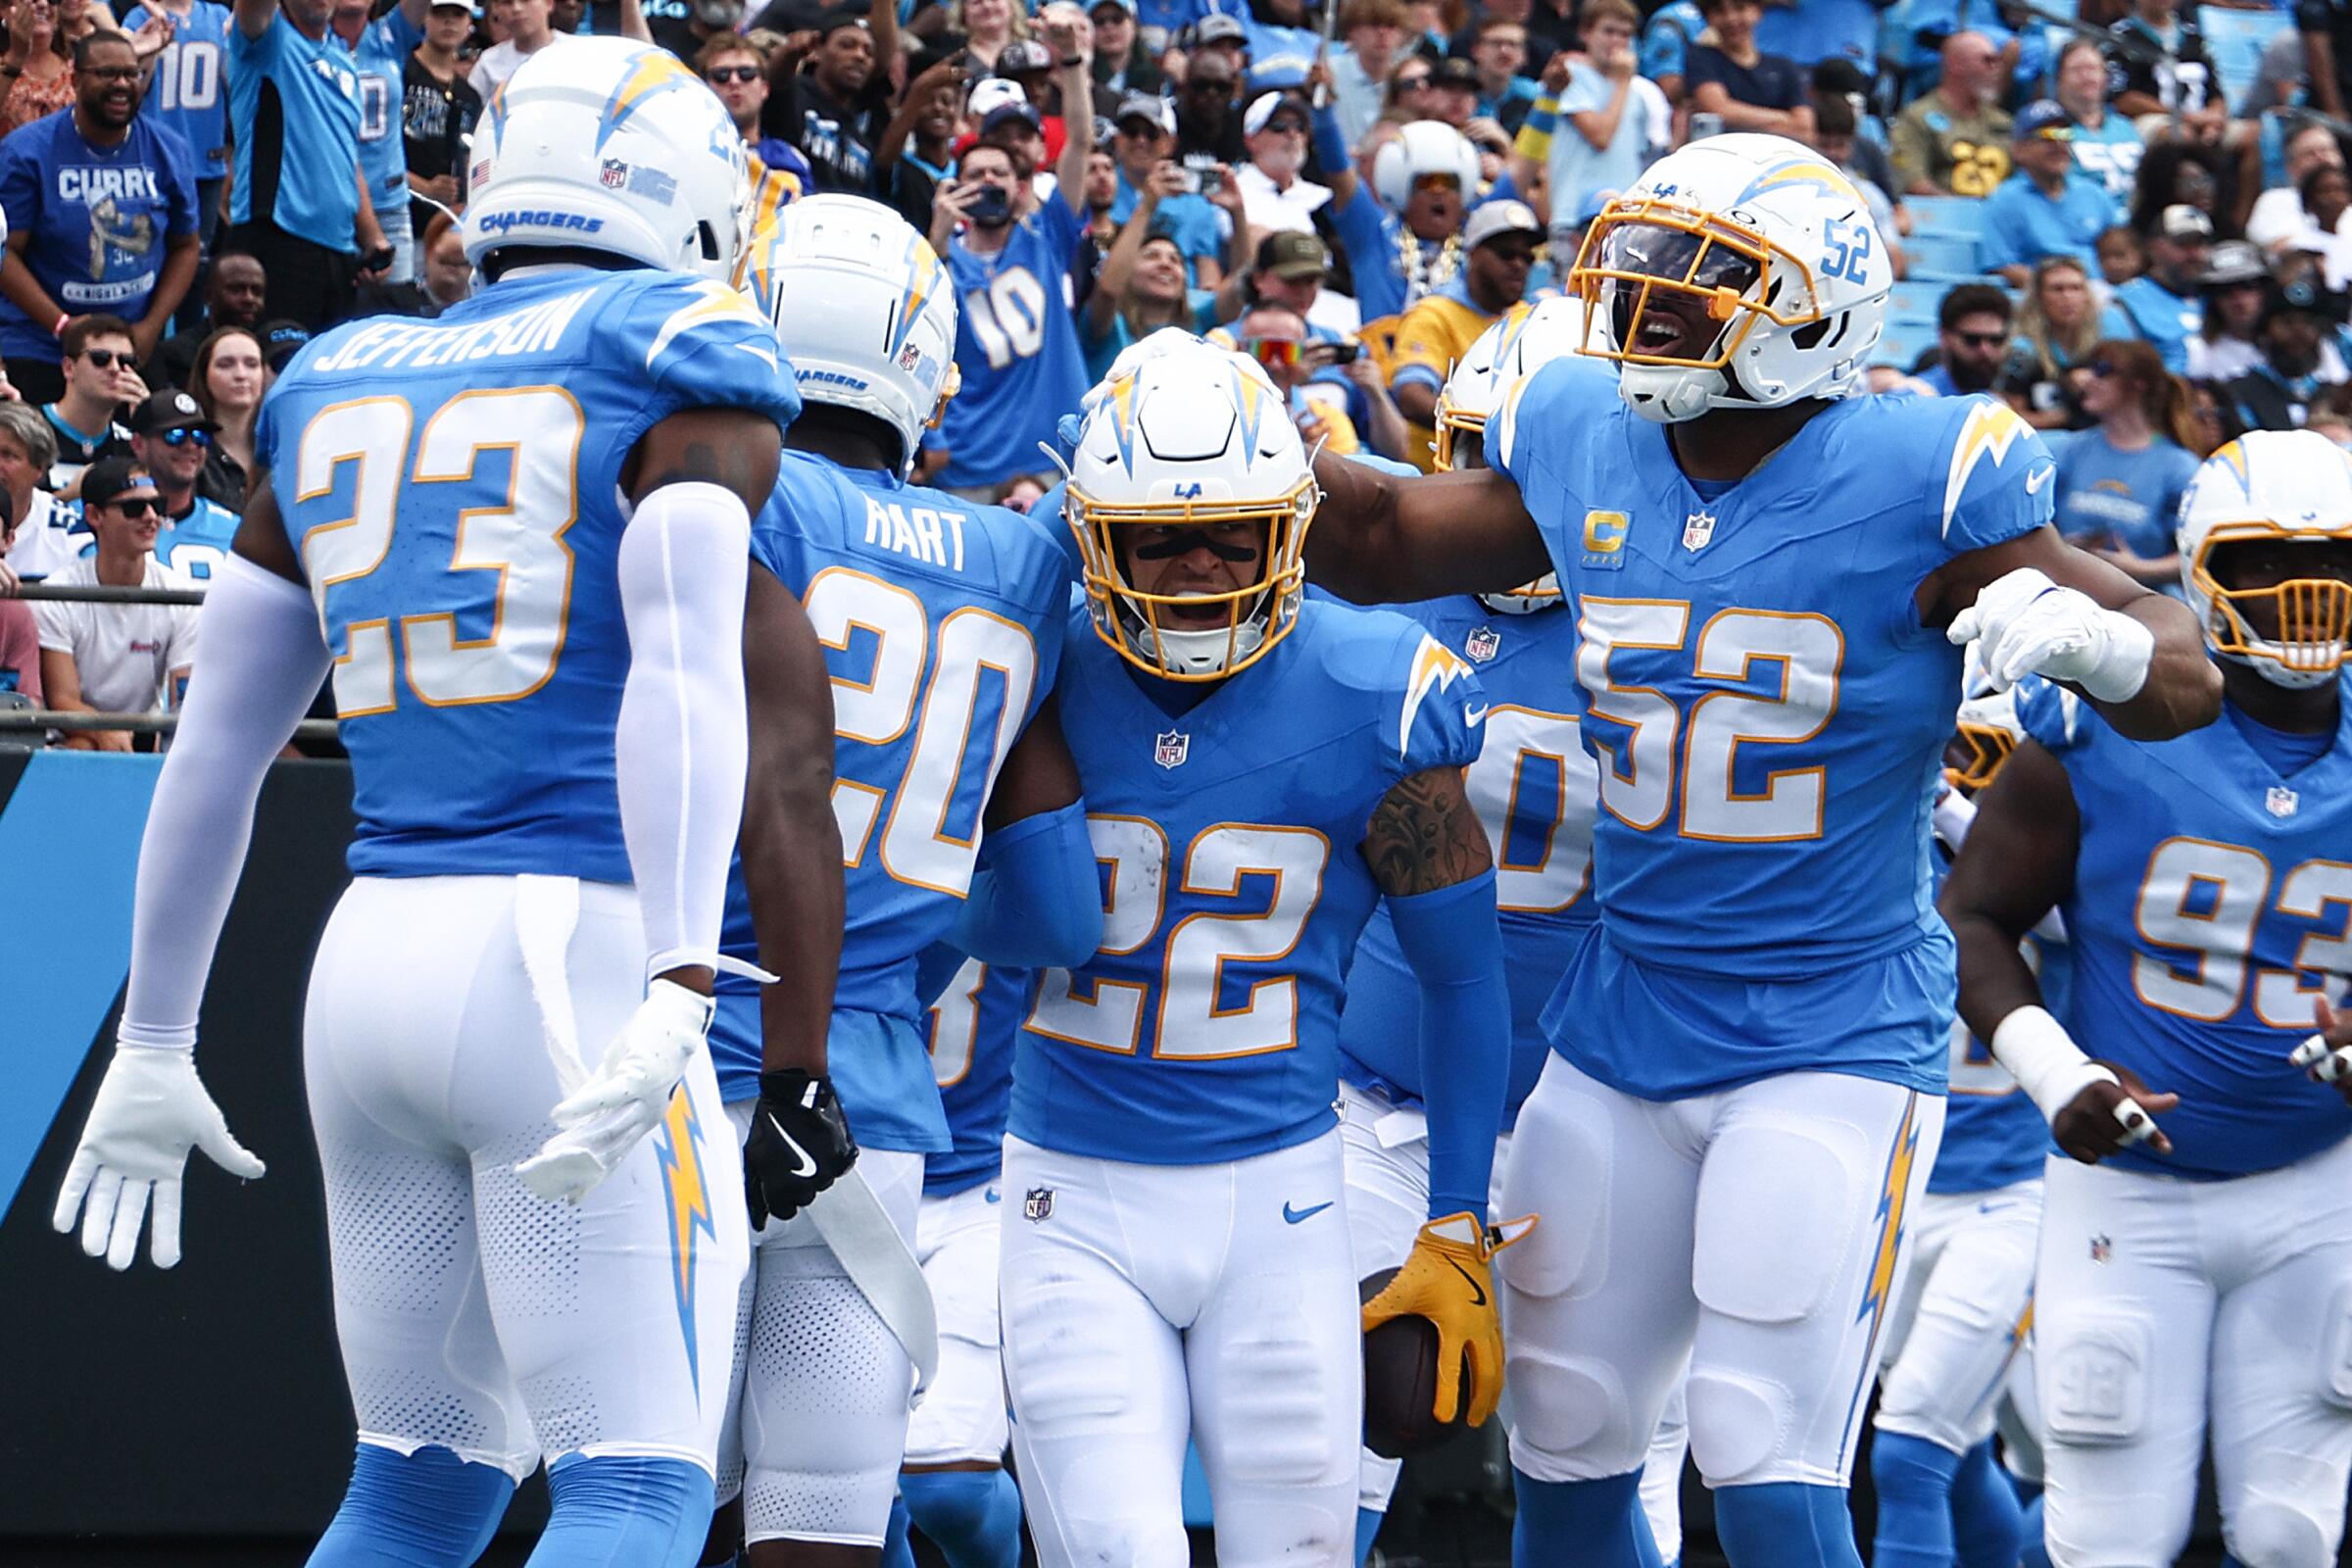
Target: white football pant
x=1756 y=1231
x=1960 y=1318
x=2165 y=1306
x=961 y=1419
x=473 y=1314
x=1146 y=1303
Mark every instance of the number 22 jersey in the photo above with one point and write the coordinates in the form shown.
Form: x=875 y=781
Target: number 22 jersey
x=1767 y=713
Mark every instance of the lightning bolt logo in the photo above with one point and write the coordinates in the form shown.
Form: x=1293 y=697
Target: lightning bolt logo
x=652 y=73
x=1435 y=667
x=1894 y=1193
x=1991 y=427
x=922 y=286
x=1122 y=420
x=679 y=1147
x=1808 y=172
x=714 y=301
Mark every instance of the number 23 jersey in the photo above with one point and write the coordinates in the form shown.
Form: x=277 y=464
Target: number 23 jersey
x=1206 y=1027
x=1766 y=708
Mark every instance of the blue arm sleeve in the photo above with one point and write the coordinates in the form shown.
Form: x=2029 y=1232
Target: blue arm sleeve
x=1454 y=941
x=1330 y=141
x=1038 y=904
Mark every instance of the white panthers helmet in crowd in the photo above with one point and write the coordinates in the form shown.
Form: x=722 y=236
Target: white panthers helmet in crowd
x=864 y=307
x=1743 y=272
x=1192 y=439
x=2275 y=500
x=1422 y=148
x=609 y=145
x=1514 y=346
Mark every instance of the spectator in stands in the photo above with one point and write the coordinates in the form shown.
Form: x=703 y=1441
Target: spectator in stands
x=985 y=26
x=101 y=211
x=2234 y=284
x=1666 y=41
x=36 y=69
x=1145 y=139
x=101 y=380
x=114 y=658
x=1597 y=123
x=280 y=342
x=1747 y=89
x=2118 y=485
x=2122 y=256
x=186 y=93
x=2296 y=361
x=1272 y=194
x=2162 y=305
x=1972 y=340
x=47 y=532
x=2045 y=208
x=2279 y=219
x=2156 y=65
x=234 y=288
x=1373 y=37
x=525 y=27
x=1405 y=239
x=20 y=634
x=1842 y=82
x=2055 y=334
x=2327 y=36
x=170 y=438
x=916 y=151
x=1499 y=56
x=1122 y=65
x=1500 y=242
x=438 y=110
x=736 y=71
x=1221 y=38
x=230 y=377
x=1208 y=127
x=2180 y=173
x=448 y=275
x=297 y=201
x=2106 y=146
x=1277 y=338
x=1141 y=287
x=828 y=99
x=1956 y=140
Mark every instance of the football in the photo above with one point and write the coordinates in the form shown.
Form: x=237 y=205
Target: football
x=1400 y=1382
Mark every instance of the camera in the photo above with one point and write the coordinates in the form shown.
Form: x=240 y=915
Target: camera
x=989 y=203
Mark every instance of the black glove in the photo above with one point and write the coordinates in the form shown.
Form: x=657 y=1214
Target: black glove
x=799 y=1145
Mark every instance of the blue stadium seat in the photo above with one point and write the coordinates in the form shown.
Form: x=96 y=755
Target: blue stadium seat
x=1951 y=258
x=1945 y=217
x=1899 y=348
x=2235 y=41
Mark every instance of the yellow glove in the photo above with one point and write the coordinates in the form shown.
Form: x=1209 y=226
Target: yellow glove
x=1446 y=1281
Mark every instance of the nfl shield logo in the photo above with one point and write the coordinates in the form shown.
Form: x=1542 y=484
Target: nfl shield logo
x=1169 y=750
x=1038 y=1207
x=1481 y=644
x=614 y=173
x=2280 y=801
x=2102 y=1248
x=1698 y=530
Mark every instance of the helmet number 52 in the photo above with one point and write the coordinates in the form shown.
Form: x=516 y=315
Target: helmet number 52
x=1844 y=249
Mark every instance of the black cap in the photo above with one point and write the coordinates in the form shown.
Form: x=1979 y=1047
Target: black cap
x=281 y=340
x=1024 y=57
x=1452 y=72
x=168 y=410
x=2304 y=296
x=109 y=479
x=840 y=16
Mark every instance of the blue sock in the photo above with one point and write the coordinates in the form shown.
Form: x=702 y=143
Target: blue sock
x=1987 y=1520
x=1785 y=1524
x=897 y=1551
x=421 y=1511
x=1913 y=1479
x=1367 y=1531
x=972 y=1516
x=622 y=1512
x=1596 y=1523
x=2035 y=1553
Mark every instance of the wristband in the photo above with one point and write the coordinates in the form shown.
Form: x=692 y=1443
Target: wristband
x=2044 y=1059
x=2123 y=664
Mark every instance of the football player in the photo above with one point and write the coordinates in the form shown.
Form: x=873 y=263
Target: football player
x=2193 y=1269
x=1259 y=772
x=1749 y=1047
x=942 y=624
x=1957 y=1327
x=517 y=537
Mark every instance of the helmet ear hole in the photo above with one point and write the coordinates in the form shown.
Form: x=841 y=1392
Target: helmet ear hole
x=1811 y=333
x=708 y=238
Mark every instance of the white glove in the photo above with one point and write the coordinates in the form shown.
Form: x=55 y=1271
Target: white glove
x=624 y=1098
x=151 y=1110
x=2028 y=624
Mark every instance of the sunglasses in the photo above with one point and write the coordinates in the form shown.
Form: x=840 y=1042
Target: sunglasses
x=2102 y=369
x=186 y=438
x=718 y=76
x=137 y=508
x=1983 y=340
x=1411 y=83
x=1274 y=353
x=1222 y=88
x=105 y=359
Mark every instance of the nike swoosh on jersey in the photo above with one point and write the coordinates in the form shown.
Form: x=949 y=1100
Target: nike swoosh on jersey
x=806 y=1166
x=2034 y=481
x=992 y=1196
x=1476 y=716
x=1293 y=1216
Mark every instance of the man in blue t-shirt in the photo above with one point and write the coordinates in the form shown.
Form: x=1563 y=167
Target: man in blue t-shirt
x=188 y=91
x=381 y=50
x=2045 y=208
x=2162 y=305
x=101 y=216
x=299 y=201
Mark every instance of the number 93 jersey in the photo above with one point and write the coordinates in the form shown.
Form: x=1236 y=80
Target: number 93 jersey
x=453 y=489
x=1229 y=836
x=2210 y=908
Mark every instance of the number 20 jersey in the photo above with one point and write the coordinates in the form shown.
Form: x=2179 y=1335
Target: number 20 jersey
x=453 y=489
x=1769 y=714
x=2210 y=905
x=1205 y=1029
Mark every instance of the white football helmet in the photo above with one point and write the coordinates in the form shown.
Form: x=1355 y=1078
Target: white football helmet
x=609 y=145
x=2274 y=493
x=1424 y=147
x=1515 y=345
x=864 y=309
x=1192 y=439
x=1761 y=237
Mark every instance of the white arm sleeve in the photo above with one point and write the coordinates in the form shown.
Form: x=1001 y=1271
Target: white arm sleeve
x=682 y=747
x=259 y=662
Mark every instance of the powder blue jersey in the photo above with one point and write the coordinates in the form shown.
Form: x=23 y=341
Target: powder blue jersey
x=2208 y=909
x=194 y=544
x=943 y=626
x=2143 y=307
x=1018 y=350
x=451 y=487
x=1533 y=788
x=1769 y=716
x=189 y=89
x=1206 y=1026
x=971 y=1029
x=382 y=53
x=304 y=179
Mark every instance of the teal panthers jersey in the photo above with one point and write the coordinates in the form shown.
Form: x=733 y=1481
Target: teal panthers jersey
x=453 y=489
x=1766 y=708
x=1205 y=1028
x=1533 y=788
x=942 y=624
x=973 y=1026
x=2209 y=905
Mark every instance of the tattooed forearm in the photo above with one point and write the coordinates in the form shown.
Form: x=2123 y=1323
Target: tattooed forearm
x=732 y=448
x=1424 y=836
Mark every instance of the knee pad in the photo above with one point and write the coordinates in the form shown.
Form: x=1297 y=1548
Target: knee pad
x=1080 y=1375
x=623 y=1511
x=1771 y=1251
x=1570 y=1410
x=1735 y=1423
x=416 y=1510
x=1564 y=1173
x=2095 y=1371
x=2288 y=1512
